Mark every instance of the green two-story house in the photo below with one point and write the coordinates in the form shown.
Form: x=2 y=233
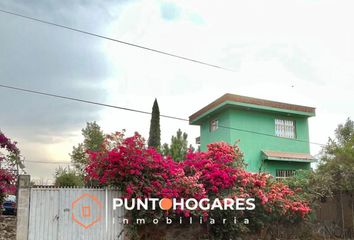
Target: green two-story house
x=273 y=136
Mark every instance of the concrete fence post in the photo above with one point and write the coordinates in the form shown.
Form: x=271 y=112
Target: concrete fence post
x=23 y=205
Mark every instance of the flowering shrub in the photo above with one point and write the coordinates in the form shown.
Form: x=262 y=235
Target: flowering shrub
x=223 y=175
x=7 y=144
x=7 y=178
x=222 y=169
x=275 y=197
x=218 y=166
x=142 y=172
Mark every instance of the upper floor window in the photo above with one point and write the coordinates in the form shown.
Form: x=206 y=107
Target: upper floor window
x=285 y=128
x=213 y=125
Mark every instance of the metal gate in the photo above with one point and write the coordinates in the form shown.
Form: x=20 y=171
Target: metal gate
x=74 y=214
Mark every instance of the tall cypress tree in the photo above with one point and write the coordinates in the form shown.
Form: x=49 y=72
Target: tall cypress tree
x=155 y=131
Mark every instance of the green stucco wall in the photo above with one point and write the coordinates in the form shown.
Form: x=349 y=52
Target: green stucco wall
x=252 y=144
x=221 y=134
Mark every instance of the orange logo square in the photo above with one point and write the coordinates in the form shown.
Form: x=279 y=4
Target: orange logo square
x=86 y=211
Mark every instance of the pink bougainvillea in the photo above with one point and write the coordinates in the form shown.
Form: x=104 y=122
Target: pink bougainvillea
x=142 y=172
x=218 y=166
x=221 y=169
x=7 y=144
x=273 y=196
x=7 y=178
x=139 y=172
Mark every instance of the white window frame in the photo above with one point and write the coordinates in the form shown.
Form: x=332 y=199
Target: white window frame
x=214 y=125
x=285 y=128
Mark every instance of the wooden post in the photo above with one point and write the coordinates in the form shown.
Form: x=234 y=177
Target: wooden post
x=342 y=209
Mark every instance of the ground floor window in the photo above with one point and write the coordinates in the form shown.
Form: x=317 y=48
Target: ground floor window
x=280 y=173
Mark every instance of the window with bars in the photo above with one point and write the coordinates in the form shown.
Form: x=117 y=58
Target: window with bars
x=213 y=125
x=285 y=128
x=280 y=174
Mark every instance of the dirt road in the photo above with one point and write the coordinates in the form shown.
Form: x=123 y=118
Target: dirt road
x=7 y=227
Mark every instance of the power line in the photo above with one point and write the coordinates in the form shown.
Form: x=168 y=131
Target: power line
x=116 y=40
x=85 y=101
x=270 y=135
x=140 y=111
x=47 y=162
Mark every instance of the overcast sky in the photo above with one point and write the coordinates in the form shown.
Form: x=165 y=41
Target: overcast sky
x=298 y=51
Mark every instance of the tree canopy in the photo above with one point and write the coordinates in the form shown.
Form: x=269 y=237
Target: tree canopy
x=178 y=147
x=337 y=160
x=335 y=171
x=66 y=177
x=93 y=140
